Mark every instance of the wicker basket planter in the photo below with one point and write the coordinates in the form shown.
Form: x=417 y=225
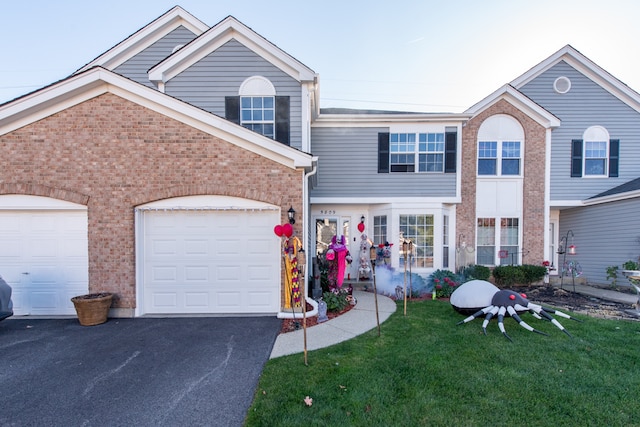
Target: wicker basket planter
x=92 y=309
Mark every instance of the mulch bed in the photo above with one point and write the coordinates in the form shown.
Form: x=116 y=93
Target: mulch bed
x=561 y=299
x=290 y=325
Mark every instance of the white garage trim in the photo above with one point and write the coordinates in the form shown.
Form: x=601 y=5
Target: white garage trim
x=212 y=255
x=43 y=253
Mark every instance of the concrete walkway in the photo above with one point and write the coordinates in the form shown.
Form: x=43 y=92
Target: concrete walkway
x=601 y=293
x=356 y=321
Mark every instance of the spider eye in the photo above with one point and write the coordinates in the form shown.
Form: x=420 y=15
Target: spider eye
x=523 y=295
x=512 y=297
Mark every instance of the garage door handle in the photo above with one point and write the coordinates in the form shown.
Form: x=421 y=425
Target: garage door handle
x=26 y=273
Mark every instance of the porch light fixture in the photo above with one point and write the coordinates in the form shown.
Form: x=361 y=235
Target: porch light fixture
x=362 y=219
x=292 y=215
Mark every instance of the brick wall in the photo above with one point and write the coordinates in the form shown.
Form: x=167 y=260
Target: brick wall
x=112 y=155
x=533 y=191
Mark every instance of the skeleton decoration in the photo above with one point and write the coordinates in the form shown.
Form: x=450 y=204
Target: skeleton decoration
x=481 y=298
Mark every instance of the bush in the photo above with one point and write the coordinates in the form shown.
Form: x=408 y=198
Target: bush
x=444 y=282
x=508 y=275
x=336 y=300
x=478 y=272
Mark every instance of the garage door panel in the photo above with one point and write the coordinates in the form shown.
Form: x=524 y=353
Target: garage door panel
x=217 y=256
x=44 y=257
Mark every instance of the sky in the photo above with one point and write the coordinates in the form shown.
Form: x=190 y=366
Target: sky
x=401 y=55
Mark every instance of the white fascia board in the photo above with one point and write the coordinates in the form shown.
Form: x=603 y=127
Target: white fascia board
x=587 y=67
x=559 y=204
x=413 y=201
x=520 y=101
x=146 y=36
x=613 y=198
x=98 y=81
x=385 y=120
x=228 y=29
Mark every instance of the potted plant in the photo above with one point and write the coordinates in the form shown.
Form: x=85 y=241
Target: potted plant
x=92 y=309
x=631 y=269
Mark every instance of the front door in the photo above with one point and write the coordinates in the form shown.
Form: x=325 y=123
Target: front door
x=326 y=228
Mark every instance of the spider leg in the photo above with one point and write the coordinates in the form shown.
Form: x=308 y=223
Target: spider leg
x=501 y=313
x=476 y=315
x=513 y=313
x=542 y=312
x=556 y=312
x=490 y=314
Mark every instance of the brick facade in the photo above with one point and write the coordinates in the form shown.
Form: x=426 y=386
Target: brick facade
x=113 y=155
x=533 y=230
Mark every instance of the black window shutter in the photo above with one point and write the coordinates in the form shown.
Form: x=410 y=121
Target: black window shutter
x=450 y=144
x=576 y=158
x=383 y=152
x=282 y=119
x=614 y=157
x=232 y=109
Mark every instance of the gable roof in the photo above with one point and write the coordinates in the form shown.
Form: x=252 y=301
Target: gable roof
x=97 y=81
x=520 y=101
x=146 y=36
x=227 y=29
x=587 y=67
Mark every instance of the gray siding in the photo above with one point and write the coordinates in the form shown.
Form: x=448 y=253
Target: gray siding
x=586 y=104
x=220 y=74
x=348 y=167
x=605 y=235
x=137 y=67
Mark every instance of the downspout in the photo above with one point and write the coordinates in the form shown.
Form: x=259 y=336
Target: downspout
x=305 y=246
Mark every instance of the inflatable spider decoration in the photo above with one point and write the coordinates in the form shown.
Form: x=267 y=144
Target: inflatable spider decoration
x=480 y=298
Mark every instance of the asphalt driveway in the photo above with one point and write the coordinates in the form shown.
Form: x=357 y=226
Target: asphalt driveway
x=145 y=372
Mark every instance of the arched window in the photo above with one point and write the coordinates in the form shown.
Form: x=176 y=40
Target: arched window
x=500 y=146
x=257 y=105
x=596 y=147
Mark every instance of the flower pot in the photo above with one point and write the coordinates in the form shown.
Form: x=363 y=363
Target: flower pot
x=92 y=309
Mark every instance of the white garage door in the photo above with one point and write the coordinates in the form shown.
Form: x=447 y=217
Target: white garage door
x=211 y=261
x=43 y=256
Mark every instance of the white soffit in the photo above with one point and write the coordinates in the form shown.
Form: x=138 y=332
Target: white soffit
x=520 y=101
x=227 y=29
x=587 y=67
x=146 y=36
x=97 y=81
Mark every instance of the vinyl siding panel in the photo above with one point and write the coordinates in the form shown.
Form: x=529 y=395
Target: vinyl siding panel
x=206 y=83
x=348 y=167
x=604 y=235
x=137 y=67
x=586 y=104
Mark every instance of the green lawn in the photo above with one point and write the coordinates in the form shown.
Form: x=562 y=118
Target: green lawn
x=424 y=370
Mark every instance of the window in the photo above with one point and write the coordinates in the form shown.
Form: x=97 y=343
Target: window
x=500 y=140
x=422 y=152
x=486 y=246
x=508 y=235
x=258 y=114
x=487 y=157
x=379 y=229
x=595 y=155
x=403 y=147
x=419 y=229
x=510 y=158
x=445 y=241
x=431 y=152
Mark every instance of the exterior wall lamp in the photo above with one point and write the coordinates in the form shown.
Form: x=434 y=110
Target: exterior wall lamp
x=292 y=215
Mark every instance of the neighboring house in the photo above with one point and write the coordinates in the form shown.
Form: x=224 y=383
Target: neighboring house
x=158 y=171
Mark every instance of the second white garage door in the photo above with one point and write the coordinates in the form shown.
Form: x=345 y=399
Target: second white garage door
x=210 y=261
